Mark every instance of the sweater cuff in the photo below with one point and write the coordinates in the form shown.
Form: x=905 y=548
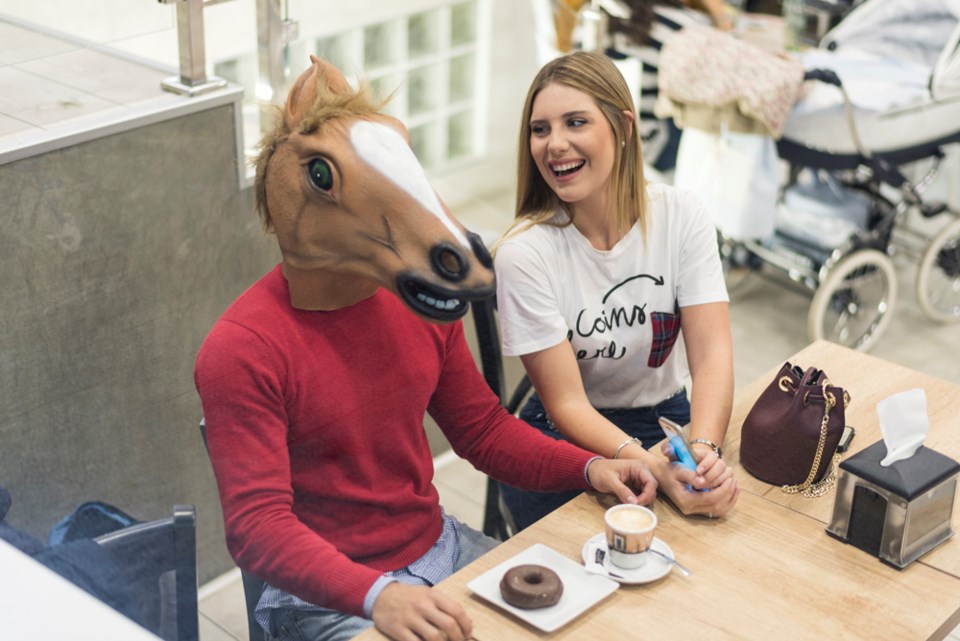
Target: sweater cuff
x=374 y=592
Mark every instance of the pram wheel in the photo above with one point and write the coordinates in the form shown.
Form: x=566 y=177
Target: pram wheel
x=938 y=277
x=853 y=304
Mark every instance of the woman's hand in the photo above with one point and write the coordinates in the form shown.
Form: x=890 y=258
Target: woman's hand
x=711 y=468
x=684 y=486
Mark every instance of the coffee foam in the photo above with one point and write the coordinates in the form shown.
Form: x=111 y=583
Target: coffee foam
x=633 y=520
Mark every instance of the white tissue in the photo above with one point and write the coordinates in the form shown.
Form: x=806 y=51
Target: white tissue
x=903 y=423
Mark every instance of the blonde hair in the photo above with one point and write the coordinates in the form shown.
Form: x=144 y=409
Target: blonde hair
x=595 y=75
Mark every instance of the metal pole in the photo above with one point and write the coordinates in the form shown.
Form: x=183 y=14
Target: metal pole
x=193 y=79
x=269 y=50
x=273 y=35
x=592 y=27
x=190 y=32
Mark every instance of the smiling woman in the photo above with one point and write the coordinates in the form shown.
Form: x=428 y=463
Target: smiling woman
x=611 y=292
x=574 y=149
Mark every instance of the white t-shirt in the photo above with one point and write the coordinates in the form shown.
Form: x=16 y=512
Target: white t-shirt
x=553 y=285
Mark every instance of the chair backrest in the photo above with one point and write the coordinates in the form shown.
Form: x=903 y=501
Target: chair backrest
x=252 y=590
x=491 y=357
x=497 y=520
x=161 y=559
x=252 y=586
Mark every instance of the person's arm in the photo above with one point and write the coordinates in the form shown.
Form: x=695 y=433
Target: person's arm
x=705 y=327
x=717 y=10
x=565 y=20
x=246 y=431
x=706 y=332
x=506 y=448
x=556 y=377
x=243 y=405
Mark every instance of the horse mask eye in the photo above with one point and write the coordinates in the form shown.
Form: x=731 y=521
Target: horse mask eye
x=320 y=174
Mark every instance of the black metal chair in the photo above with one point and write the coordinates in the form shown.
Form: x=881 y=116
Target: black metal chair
x=160 y=558
x=252 y=586
x=497 y=521
x=252 y=589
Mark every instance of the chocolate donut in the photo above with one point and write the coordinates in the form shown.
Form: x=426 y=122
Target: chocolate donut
x=531 y=586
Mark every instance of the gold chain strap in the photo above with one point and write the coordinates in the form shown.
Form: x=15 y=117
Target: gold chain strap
x=808 y=488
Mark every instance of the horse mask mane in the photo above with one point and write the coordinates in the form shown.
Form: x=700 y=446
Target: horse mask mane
x=352 y=208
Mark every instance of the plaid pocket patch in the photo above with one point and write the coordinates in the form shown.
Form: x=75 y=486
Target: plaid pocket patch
x=666 y=329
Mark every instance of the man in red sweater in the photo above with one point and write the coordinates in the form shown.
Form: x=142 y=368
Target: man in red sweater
x=316 y=380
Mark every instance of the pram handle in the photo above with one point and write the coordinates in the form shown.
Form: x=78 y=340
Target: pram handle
x=823 y=75
x=830 y=77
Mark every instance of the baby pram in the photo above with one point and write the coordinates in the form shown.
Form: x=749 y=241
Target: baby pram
x=858 y=169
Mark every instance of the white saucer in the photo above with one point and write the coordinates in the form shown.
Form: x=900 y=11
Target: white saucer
x=654 y=568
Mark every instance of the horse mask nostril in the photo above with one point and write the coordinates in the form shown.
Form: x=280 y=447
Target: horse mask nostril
x=448 y=262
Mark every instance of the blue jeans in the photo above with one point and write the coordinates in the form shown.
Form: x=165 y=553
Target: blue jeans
x=527 y=506
x=329 y=625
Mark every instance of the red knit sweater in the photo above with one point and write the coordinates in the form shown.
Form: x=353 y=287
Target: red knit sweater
x=315 y=429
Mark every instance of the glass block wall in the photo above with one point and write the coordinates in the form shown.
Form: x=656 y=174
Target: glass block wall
x=429 y=62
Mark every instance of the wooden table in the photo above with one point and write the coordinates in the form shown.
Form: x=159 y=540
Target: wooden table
x=768 y=570
x=868 y=379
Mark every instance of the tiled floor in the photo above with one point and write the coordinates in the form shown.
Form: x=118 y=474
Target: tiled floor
x=46 y=82
x=54 y=89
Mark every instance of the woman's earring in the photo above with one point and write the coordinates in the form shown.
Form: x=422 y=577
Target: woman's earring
x=623 y=143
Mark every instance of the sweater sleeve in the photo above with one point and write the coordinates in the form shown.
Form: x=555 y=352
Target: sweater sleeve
x=241 y=389
x=494 y=441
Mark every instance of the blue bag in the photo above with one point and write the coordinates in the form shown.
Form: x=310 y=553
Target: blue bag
x=89 y=520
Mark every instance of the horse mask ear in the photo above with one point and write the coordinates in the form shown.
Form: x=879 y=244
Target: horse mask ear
x=303 y=94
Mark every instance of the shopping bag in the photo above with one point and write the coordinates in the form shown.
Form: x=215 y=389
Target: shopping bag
x=736 y=174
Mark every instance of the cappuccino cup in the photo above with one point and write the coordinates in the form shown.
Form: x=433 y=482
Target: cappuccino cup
x=629 y=530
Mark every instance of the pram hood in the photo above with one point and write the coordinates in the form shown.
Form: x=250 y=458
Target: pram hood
x=946 y=75
x=911 y=30
x=900 y=63
x=924 y=32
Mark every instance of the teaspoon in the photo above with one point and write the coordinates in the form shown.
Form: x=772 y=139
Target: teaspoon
x=669 y=559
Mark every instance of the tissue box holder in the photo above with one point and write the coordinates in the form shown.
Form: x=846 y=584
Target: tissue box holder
x=899 y=512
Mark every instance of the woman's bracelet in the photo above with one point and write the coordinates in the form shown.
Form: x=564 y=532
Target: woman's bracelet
x=627 y=442
x=713 y=446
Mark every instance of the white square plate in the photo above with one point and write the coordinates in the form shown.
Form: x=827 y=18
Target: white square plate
x=581 y=590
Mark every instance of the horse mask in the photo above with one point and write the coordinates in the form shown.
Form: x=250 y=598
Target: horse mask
x=352 y=208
